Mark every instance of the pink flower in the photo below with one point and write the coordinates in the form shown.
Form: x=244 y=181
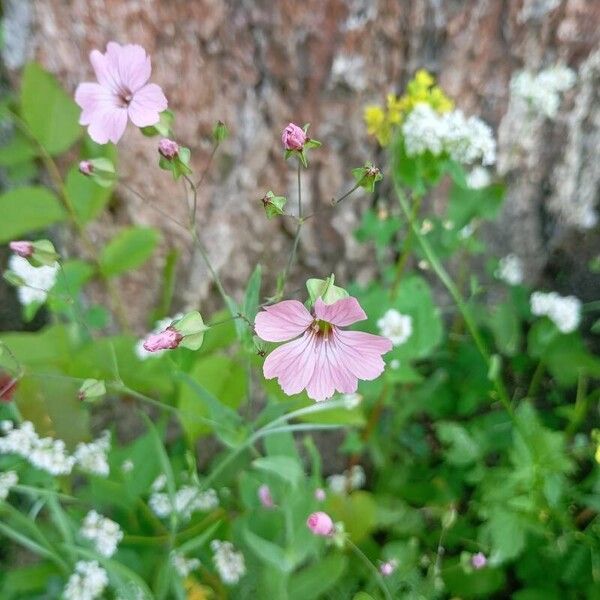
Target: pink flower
x=293 y=137
x=264 y=495
x=122 y=91
x=325 y=359
x=388 y=567
x=320 y=494
x=165 y=340
x=86 y=167
x=320 y=523
x=22 y=248
x=478 y=561
x=168 y=148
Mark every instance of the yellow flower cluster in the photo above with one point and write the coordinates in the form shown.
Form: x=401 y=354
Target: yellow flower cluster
x=422 y=89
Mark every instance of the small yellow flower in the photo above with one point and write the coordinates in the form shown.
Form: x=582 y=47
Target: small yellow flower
x=195 y=591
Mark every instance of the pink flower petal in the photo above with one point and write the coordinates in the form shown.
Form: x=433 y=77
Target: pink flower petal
x=146 y=105
x=92 y=97
x=341 y=313
x=293 y=364
x=108 y=125
x=134 y=67
x=361 y=352
x=106 y=71
x=282 y=321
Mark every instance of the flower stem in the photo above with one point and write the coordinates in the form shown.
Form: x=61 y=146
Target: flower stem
x=407 y=247
x=371 y=567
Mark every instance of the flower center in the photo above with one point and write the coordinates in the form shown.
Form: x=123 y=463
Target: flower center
x=321 y=328
x=125 y=97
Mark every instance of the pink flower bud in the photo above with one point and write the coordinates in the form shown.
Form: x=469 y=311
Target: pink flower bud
x=168 y=148
x=320 y=523
x=165 y=340
x=86 y=167
x=22 y=248
x=264 y=495
x=293 y=137
x=478 y=561
x=320 y=494
x=388 y=567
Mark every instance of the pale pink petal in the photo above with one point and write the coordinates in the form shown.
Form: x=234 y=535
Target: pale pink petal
x=282 y=321
x=146 y=105
x=341 y=313
x=92 y=97
x=134 y=67
x=361 y=352
x=293 y=364
x=106 y=69
x=108 y=125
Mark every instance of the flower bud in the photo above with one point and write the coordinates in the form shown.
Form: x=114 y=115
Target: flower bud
x=320 y=523
x=220 y=132
x=388 y=567
x=168 y=148
x=86 y=167
x=167 y=339
x=264 y=495
x=293 y=137
x=320 y=495
x=8 y=386
x=22 y=248
x=367 y=176
x=478 y=561
x=273 y=204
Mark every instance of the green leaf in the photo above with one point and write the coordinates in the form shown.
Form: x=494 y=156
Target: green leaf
x=314 y=581
x=464 y=450
x=267 y=551
x=285 y=467
x=505 y=326
x=128 y=250
x=19 y=149
x=466 y=203
x=252 y=295
x=88 y=198
x=50 y=113
x=28 y=209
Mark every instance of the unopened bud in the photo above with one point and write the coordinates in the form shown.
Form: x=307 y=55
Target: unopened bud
x=165 y=340
x=168 y=148
x=22 y=248
x=86 y=167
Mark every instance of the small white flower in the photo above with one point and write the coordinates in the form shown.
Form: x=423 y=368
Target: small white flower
x=394 y=364
x=395 y=326
x=351 y=401
x=563 y=311
x=352 y=479
x=159 y=483
x=92 y=458
x=229 y=562
x=87 y=582
x=127 y=466
x=8 y=480
x=6 y=426
x=478 y=178
x=510 y=269
x=37 y=281
x=103 y=532
x=187 y=500
x=184 y=566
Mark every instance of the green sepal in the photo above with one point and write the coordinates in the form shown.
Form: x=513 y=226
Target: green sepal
x=273 y=205
x=324 y=289
x=192 y=328
x=162 y=128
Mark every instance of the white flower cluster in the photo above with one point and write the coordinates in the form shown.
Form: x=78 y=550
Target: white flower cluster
x=349 y=480
x=102 y=531
x=50 y=455
x=563 y=311
x=229 y=562
x=159 y=326
x=478 y=178
x=466 y=140
x=87 y=581
x=184 y=566
x=542 y=91
x=510 y=269
x=8 y=480
x=395 y=326
x=188 y=499
x=37 y=281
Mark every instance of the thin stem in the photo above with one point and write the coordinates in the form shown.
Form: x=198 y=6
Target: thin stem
x=334 y=202
x=208 y=163
x=371 y=567
x=194 y=201
x=407 y=248
x=536 y=380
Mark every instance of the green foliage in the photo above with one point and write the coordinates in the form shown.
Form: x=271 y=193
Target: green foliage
x=129 y=249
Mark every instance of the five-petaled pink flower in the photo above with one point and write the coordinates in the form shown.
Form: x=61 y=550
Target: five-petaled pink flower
x=320 y=523
x=293 y=137
x=325 y=359
x=122 y=91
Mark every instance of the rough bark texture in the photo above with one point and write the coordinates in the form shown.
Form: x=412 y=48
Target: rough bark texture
x=257 y=64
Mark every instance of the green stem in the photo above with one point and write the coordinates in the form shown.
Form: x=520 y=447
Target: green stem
x=407 y=247
x=536 y=380
x=371 y=567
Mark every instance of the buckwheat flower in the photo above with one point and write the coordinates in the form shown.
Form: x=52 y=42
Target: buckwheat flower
x=325 y=359
x=86 y=167
x=37 y=281
x=395 y=326
x=6 y=425
x=186 y=501
x=563 y=311
x=159 y=483
x=8 y=480
x=510 y=269
x=168 y=148
x=320 y=495
x=478 y=561
x=92 y=458
x=21 y=248
x=388 y=567
x=122 y=92
x=103 y=532
x=265 y=497
x=293 y=137
x=87 y=582
x=229 y=562
x=478 y=178
x=320 y=523
x=182 y=565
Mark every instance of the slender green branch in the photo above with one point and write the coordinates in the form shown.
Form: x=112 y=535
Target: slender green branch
x=371 y=568
x=407 y=247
